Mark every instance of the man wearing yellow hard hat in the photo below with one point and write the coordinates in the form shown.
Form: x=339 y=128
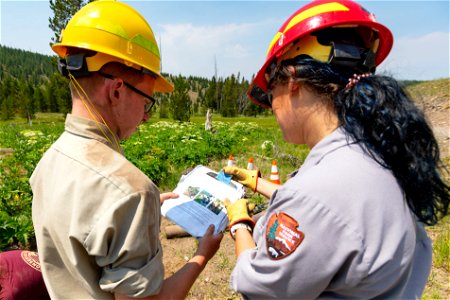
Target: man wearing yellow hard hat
x=96 y=216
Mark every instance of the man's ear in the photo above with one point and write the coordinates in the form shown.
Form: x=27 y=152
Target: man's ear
x=116 y=89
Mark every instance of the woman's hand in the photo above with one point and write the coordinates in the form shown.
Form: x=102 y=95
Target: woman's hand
x=249 y=178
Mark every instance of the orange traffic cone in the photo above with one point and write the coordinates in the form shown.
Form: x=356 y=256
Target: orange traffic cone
x=230 y=161
x=274 y=177
x=250 y=164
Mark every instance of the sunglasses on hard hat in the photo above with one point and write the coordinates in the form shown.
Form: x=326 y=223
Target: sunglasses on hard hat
x=149 y=100
x=265 y=98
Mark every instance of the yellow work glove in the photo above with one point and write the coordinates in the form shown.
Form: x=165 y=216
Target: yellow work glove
x=249 y=178
x=237 y=212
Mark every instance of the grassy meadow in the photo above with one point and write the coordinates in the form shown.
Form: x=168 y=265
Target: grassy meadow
x=164 y=150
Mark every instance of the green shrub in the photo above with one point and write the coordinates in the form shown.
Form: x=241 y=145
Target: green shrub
x=162 y=150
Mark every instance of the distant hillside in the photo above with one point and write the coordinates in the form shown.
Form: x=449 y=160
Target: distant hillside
x=35 y=69
x=432 y=95
x=25 y=65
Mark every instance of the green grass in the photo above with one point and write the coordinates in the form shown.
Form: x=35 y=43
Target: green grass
x=162 y=149
x=262 y=121
x=240 y=141
x=430 y=89
x=441 y=245
x=40 y=118
x=438 y=284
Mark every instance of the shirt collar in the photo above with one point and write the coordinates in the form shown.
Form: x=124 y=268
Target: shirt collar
x=337 y=139
x=93 y=130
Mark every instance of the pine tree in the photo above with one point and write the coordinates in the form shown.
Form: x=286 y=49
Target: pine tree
x=10 y=93
x=39 y=99
x=180 y=103
x=229 y=103
x=23 y=100
x=63 y=10
x=7 y=108
x=211 y=94
x=58 y=94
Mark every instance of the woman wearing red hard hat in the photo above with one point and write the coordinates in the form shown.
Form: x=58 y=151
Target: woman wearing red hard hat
x=348 y=223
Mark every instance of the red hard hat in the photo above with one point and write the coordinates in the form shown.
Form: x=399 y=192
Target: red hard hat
x=315 y=16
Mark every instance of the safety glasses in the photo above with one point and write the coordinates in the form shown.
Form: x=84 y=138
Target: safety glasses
x=149 y=100
x=271 y=71
x=257 y=94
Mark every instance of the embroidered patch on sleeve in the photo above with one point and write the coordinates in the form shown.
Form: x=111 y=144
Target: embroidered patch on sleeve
x=31 y=259
x=282 y=235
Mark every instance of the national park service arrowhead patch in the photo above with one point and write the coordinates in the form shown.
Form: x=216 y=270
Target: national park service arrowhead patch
x=282 y=235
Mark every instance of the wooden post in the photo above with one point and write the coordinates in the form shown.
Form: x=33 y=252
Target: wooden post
x=175 y=231
x=208 y=122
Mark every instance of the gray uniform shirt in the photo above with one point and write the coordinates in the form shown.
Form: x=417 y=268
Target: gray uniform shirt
x=96 y=218
x=355 y=236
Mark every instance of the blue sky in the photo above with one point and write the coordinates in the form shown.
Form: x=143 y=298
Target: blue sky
x=235 y=34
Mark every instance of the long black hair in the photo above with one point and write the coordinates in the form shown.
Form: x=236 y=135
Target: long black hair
x=377 y=113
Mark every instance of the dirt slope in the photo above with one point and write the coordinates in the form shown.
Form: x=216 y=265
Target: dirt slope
x=433 y=97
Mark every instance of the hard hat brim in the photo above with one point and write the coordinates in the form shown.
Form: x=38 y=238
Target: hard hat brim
x=96 y=62
x=162 y=85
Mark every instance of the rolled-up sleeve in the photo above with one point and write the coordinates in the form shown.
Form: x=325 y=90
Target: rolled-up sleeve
x=125 y=244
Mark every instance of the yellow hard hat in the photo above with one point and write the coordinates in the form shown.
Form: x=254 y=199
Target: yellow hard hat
x=117 y=33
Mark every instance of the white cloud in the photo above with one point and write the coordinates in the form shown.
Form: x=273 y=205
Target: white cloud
x=193 y=50
x=419 y=57
x=236 y=51
x=190 y=49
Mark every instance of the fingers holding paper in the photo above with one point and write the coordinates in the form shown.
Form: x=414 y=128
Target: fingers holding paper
x=249 y=178
x=166 y=196
x=209 y=243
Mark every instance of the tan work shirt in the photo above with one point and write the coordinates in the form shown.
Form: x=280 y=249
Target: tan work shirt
x=96 y=218
x=339 y=229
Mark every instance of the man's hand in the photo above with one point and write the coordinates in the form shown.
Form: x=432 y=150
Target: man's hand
x=177 y=285
x=237 y=212
x=209 y=244
x=249 y=178
x=165 y=196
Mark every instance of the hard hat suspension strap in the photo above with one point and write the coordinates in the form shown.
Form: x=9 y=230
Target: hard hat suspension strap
x=352 y=57
x=74 y=64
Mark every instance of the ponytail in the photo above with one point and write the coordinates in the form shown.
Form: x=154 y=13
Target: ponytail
x=377 y=113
